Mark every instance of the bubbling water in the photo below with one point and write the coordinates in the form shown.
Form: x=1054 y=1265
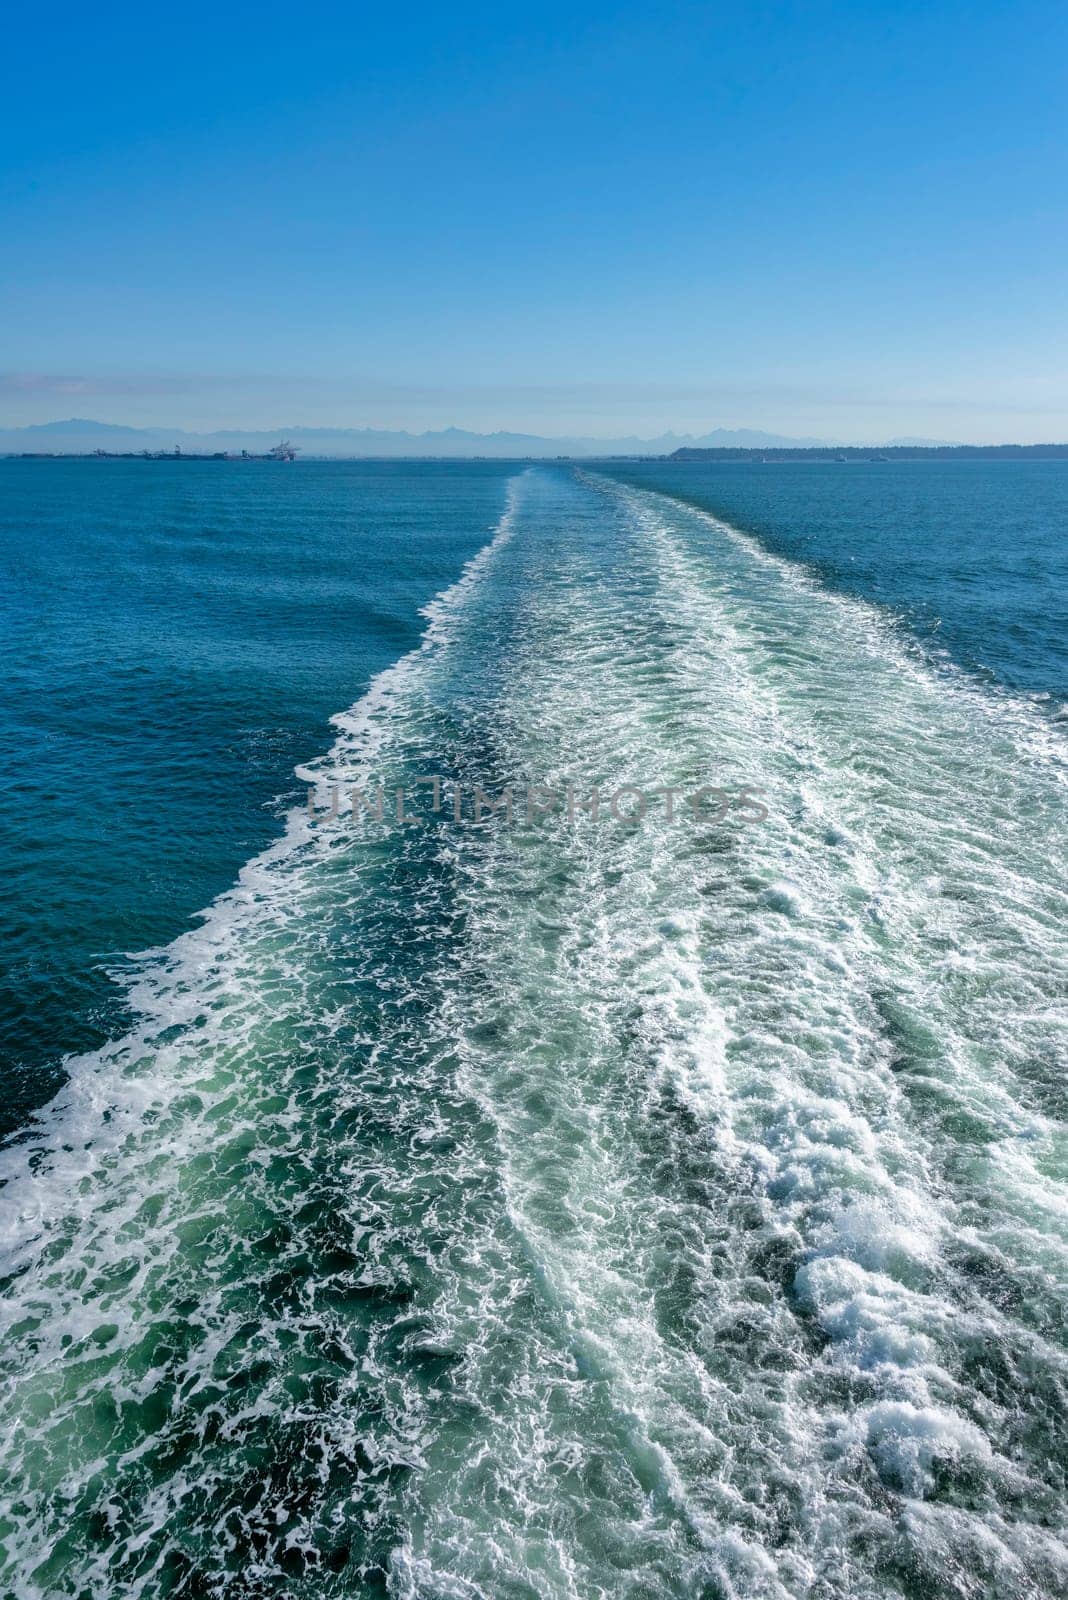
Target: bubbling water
x=587 y=1208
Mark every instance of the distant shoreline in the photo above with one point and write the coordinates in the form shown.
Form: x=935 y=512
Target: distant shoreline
x=856 y=452
x=688 y=454
x=137 y=455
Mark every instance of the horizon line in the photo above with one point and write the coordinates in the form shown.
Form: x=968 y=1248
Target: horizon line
x=738 y=437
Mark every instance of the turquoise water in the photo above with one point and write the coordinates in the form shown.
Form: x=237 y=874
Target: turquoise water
x=971 y=555
x=570 y=1208
x=175 y=640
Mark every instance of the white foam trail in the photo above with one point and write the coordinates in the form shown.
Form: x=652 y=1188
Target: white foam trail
x=147 y=1212
x=762 y=1010
x=107 y=1093
x=671 y=1211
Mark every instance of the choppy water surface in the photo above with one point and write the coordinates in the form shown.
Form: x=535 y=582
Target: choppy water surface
x=173 y=639
x=583 y=1209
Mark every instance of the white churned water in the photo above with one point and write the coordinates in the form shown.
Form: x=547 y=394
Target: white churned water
x=586 y=1208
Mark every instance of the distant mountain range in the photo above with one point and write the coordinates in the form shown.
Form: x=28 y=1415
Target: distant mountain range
x=78 y=435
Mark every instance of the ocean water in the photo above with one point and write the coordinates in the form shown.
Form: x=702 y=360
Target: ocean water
x=972 y=556
x=174 y=641
x=576 y=1205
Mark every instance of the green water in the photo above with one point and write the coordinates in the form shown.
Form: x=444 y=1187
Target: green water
x=584 y=1208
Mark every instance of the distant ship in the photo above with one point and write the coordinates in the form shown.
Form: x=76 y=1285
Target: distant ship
x=283 y=452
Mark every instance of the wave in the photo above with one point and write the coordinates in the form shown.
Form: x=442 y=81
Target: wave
x=582 y=1209
x=830 y=1039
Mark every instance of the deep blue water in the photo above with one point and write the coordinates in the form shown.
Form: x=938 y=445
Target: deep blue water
x=567 y=1209
x=971 y=555
x=174 y=641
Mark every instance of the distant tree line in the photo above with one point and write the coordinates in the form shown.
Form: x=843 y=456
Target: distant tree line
x=897 y=452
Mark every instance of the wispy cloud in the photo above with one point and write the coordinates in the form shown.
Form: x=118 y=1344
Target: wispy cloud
x=47 y=384
x=366 y=389
x=788 y=405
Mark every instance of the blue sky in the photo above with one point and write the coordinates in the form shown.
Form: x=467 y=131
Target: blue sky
x=842 y=220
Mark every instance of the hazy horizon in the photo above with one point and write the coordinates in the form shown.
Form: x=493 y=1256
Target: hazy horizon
x=77 y=435
x=34 y=401
x=599 y=222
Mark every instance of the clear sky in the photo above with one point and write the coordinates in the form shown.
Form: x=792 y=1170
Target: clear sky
x=842 y=220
